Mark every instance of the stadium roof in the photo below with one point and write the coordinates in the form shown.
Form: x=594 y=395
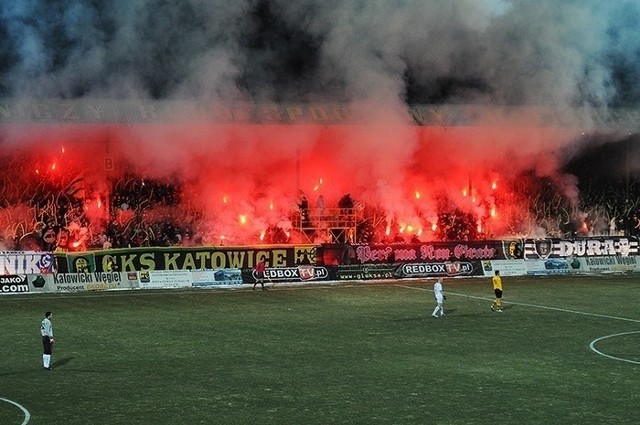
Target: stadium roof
x=77 y=111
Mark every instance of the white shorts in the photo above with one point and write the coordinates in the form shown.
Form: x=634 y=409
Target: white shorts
x=439 y=298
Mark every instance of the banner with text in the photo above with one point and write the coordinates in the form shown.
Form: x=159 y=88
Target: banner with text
x=26 y=262
x=542 y=249
x=344 y=254
x=183 y=258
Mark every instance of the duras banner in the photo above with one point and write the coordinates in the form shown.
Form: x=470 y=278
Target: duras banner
x=26 y=262
x=182 y=258
x=333 y=255
x=542 y=249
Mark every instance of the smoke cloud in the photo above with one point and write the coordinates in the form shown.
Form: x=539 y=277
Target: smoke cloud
x=379 y=55
x=575 y=52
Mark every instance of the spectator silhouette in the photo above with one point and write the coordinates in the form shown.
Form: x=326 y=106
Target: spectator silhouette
x=303 y=205
x=346 y=204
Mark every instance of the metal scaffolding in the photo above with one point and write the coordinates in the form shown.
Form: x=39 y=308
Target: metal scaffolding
x=327 y=225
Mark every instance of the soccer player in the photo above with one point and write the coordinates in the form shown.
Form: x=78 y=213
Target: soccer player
x=497 y=290
x=46 y=330
x=439 y=294
x=259 y=274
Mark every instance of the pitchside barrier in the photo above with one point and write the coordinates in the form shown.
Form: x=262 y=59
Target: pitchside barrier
x=233 y=267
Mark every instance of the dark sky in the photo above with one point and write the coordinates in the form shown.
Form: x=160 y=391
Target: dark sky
x=605 y=162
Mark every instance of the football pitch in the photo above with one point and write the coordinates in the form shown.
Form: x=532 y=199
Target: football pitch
x=566 y=350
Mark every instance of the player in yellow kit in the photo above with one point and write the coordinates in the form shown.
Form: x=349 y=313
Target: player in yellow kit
x=497 y=290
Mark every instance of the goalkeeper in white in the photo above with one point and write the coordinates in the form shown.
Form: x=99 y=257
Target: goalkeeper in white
x=46 y=330
x=439 y=294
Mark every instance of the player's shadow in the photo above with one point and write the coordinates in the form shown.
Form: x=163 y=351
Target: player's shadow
x=63 y=361
x=426 y=316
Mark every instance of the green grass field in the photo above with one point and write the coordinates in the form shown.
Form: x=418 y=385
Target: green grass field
x=359 y=354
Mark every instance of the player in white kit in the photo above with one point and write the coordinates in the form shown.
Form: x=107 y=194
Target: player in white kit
x=438 y=292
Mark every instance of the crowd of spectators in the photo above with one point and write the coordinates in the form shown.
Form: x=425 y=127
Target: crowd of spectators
x=147 y=212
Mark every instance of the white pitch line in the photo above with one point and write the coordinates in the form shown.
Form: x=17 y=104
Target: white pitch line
x=564 y=310
x=27 y=415
x=592 y=346
x=139 y=292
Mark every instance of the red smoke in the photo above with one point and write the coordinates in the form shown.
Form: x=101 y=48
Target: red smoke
x=244 y=178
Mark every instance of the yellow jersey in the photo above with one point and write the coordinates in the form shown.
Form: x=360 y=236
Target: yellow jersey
x=497 y=282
